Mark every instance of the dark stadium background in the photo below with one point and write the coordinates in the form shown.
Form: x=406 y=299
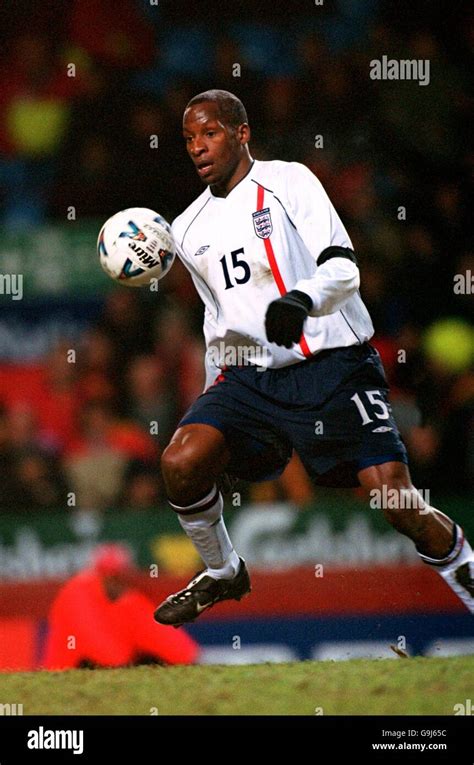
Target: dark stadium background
x=84 y=85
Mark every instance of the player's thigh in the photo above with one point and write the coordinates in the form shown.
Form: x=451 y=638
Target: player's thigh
x=203 y=452
x=352 y=430
x=251 y=445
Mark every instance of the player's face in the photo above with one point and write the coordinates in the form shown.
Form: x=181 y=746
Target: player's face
x=215 y=148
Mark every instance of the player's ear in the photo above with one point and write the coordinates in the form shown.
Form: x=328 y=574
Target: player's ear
x=243 y=133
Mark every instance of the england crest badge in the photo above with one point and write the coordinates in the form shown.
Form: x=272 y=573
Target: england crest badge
x=262 y=223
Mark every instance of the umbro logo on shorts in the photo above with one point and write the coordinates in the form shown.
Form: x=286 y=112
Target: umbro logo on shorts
x=202 y=250
x=382 y=429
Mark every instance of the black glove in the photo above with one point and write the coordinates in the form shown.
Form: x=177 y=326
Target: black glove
x=285 y=318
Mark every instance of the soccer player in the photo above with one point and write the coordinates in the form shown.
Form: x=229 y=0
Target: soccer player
x=288 y=360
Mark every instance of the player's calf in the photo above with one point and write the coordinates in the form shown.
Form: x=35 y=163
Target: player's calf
x=405 y=509
x=439 y=541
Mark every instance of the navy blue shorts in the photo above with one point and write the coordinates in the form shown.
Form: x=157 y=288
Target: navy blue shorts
x=332 y=409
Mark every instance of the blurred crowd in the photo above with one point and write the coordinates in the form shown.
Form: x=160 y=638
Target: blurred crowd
x=79 y=104
x=86 y=428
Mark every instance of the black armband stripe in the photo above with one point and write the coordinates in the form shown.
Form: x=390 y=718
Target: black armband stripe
x=336 y=252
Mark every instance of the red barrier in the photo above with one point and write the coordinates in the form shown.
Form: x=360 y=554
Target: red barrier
x=18 y=644
x=296 y=592
x=378 y=589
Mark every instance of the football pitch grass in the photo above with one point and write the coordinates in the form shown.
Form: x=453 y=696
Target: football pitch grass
x=412 y=686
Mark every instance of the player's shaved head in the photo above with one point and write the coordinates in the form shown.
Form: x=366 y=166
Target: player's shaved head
x=216 y=133
x=231 y=109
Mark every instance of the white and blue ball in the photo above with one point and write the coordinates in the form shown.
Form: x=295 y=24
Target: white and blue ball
x=136 y=247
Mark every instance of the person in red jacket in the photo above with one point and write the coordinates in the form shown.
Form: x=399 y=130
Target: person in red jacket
x=98 y=620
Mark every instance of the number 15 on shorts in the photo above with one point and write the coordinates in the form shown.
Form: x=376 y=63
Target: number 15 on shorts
x=378 y=406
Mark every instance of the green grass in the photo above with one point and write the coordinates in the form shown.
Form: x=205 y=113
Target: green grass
x=405 y=686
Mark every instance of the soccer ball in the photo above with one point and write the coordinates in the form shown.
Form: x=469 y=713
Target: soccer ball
x=136 y=246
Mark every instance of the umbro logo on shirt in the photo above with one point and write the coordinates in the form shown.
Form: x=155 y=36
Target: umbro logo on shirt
x=382 y=429
x=202 y=250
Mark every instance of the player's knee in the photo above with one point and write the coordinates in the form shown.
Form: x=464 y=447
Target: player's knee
x=181 y=467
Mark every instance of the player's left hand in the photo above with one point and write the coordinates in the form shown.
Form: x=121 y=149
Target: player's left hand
x=285 y=318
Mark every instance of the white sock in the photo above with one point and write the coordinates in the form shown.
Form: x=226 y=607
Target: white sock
x=460 y=554
x=204 y=525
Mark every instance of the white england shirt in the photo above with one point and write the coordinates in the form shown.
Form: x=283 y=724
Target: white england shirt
x=256 y=244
